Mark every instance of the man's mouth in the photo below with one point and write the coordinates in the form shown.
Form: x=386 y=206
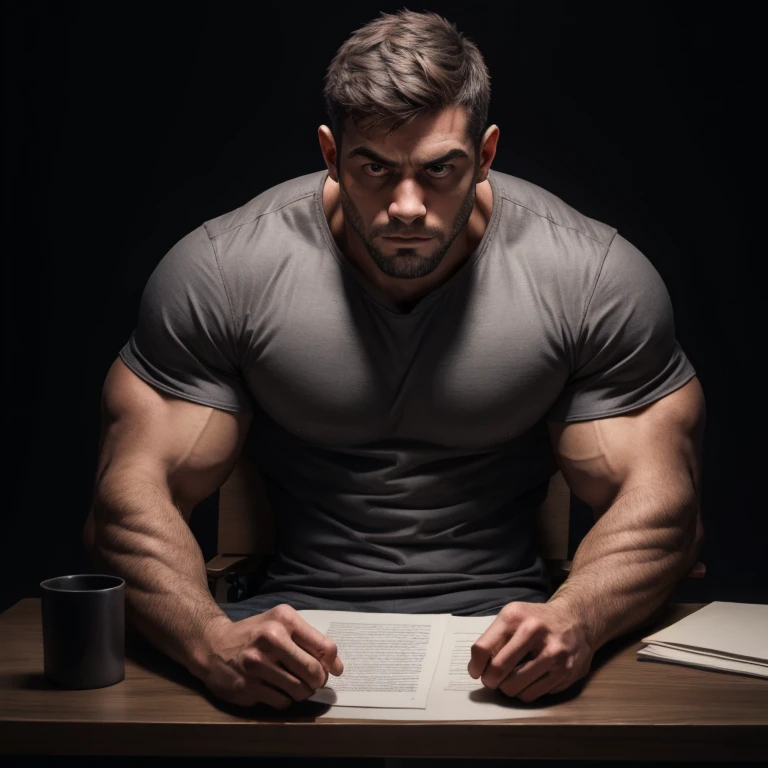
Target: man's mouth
x=406 y=239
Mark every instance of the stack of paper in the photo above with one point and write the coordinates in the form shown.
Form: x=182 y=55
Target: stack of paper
x=409 y=667
x=730 y=637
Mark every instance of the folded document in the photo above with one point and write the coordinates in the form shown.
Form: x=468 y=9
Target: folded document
x=730 y=637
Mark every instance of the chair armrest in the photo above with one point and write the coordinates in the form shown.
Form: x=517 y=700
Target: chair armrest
x=227 y=565
x=558 y=571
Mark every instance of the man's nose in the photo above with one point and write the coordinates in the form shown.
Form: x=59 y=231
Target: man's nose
x=408 y=202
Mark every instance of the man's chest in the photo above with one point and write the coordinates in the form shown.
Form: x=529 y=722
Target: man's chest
x=476 y=370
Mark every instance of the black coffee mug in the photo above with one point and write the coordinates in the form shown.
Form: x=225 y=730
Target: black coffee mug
x=84 y=630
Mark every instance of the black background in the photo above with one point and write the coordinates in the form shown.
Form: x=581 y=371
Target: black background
x=128 y=124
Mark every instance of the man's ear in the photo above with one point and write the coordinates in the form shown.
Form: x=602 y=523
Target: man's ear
x=487 y=152
x=328 y=148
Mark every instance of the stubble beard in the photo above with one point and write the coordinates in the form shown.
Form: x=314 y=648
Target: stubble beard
x=406 y=263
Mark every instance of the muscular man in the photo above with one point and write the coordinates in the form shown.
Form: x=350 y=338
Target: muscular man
x=408 y=345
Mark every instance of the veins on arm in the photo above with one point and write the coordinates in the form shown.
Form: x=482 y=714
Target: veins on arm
x=640 y=473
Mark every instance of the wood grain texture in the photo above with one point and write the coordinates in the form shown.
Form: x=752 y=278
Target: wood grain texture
x=624 y=709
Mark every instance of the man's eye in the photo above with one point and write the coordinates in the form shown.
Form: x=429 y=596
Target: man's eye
x=371 y=166
x=447 y=170
x=442 y=170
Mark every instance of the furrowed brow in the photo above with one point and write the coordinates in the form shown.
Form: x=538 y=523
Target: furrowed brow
x=381 y=160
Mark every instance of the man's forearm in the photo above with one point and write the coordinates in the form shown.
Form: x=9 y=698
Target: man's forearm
x=142 y=537
x=629 y=563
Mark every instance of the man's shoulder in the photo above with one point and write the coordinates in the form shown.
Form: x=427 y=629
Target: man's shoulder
x=548 y=207
x=273 y=199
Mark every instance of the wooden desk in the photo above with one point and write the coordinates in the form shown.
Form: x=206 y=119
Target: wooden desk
x=625 y=709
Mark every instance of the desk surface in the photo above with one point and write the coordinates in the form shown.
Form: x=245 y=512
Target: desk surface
x=624 y=709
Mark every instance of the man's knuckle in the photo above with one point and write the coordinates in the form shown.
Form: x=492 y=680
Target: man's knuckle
x=284 y=612
x=494 y=668
x=533 y=624
x=557 y=653
x=270 y=637
x=510 y=610
x=316 y=673
x=252 y=660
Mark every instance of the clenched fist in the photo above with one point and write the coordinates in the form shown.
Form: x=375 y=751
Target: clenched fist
x=274 y=658
x=531 y=649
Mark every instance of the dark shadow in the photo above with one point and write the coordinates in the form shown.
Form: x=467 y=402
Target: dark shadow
x=501 y=699
x=665 y=615
x=139 y=650
x=298 y=712
x=34 y=681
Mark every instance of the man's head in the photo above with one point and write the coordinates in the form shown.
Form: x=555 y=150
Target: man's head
x=408 y=97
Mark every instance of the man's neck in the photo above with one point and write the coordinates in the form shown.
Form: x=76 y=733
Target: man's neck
x=407 y=293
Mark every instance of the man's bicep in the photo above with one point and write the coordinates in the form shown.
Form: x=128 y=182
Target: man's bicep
x=188 y=448
x=185 y=342
x=627 y=355
x=657 y=446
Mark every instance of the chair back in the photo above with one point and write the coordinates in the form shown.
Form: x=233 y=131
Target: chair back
x=246 y=523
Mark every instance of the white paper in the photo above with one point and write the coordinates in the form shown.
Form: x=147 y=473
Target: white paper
x=736 y=631
x=702 y=660
x=450 y=693
x=389 y=658
x=709 y=654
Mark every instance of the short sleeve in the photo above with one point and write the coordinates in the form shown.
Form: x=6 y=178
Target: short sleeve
x=184 y=342
x=626 y=355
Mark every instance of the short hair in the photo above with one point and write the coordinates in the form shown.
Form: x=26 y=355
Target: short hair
x=402 y=65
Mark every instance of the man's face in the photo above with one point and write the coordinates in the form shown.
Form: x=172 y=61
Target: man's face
x=419 y=182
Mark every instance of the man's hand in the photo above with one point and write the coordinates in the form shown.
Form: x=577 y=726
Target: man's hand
x=549 y=642
x=274 y=658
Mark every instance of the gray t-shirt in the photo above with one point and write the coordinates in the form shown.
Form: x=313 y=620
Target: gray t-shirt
x=404 y=454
